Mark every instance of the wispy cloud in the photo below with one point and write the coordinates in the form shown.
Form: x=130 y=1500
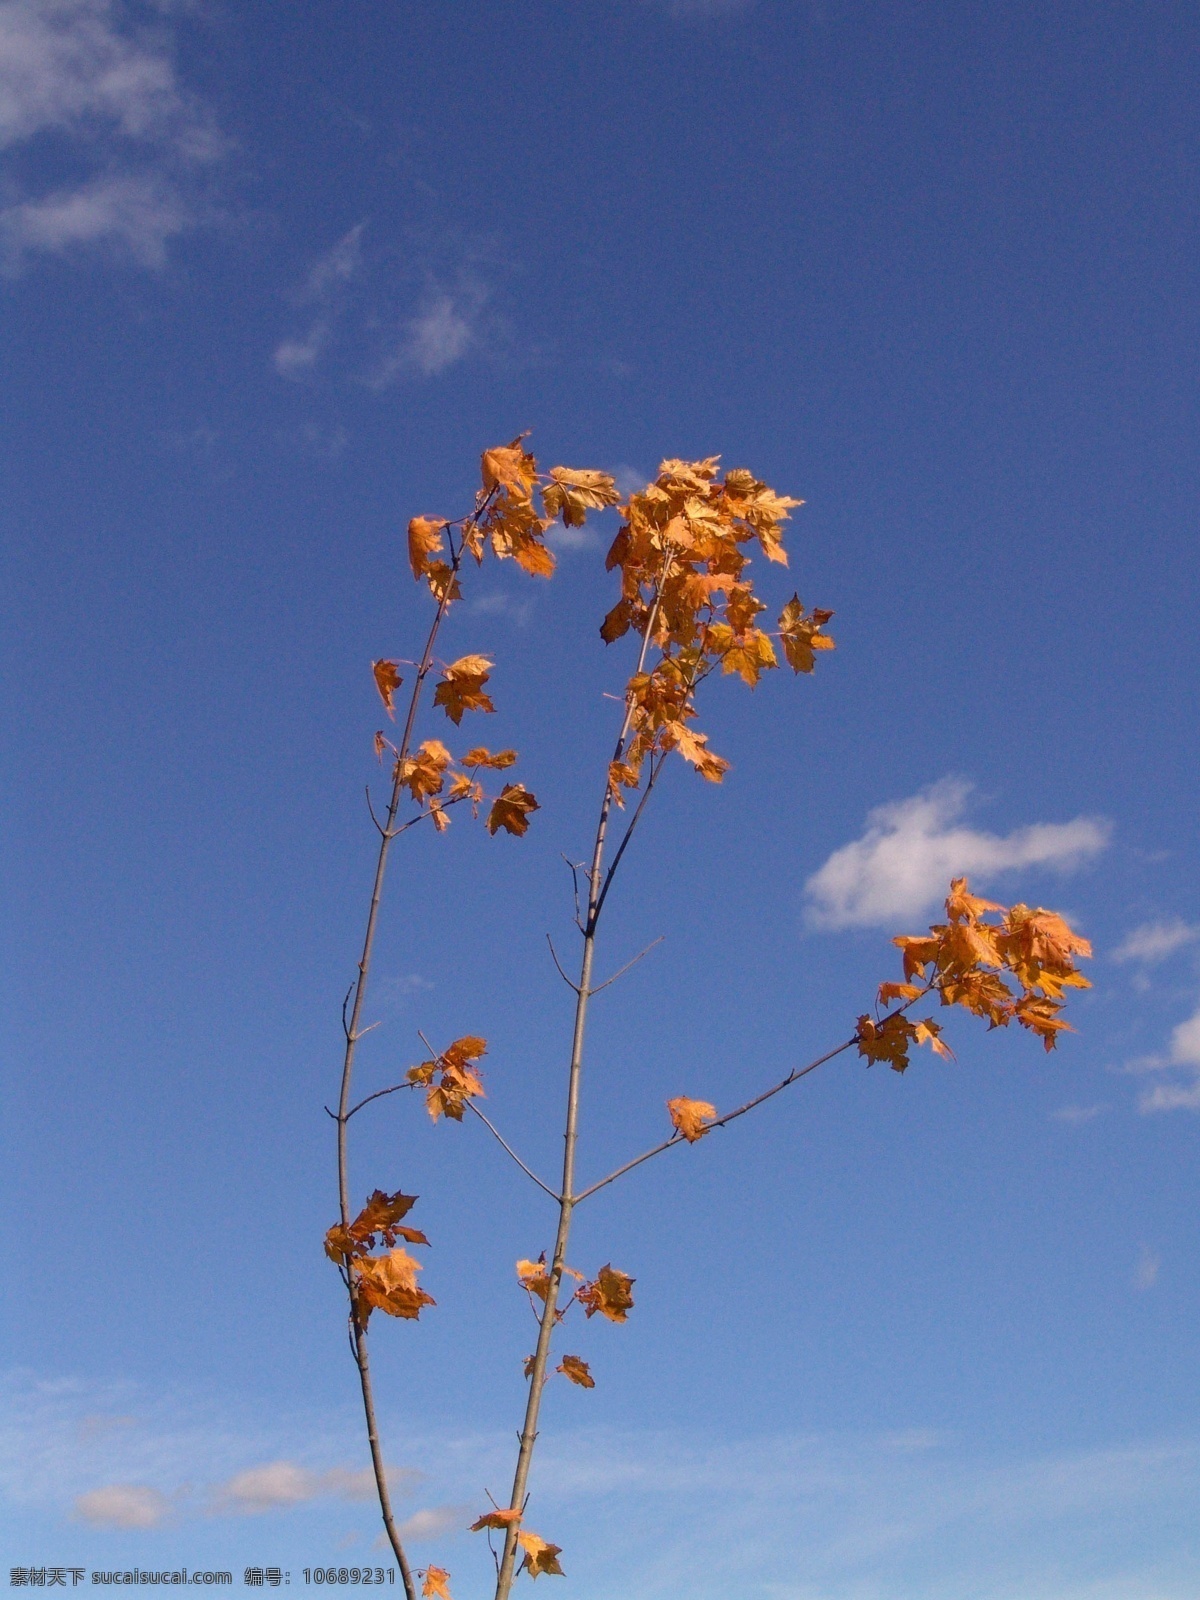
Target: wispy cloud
x=911 y=849
x=353 y=298
x=1145 y=1274
x=123 y=1505
x=1153 y=942
x=325 y=289
x=288 y=1483
x=436 y=1522
x=1078 y=1114
x=82 y=77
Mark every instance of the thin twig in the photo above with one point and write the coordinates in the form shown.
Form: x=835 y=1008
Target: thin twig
x=621 y=971
x=655 y=769
x=377 y=1095
x=528 y=1171
x=719 y=1122
x=371 y=809
x=558 y=964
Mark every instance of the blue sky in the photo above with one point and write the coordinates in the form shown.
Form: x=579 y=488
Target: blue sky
x=272 y=278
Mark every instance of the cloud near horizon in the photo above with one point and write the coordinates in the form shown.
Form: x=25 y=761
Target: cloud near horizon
x=903 y=863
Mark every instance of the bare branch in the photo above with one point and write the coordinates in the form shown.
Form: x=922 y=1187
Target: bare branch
x=371 y=809
x=558 y=964
x=378 y=1095
x=345 y=1003
x=621 y=971
x=574 y=866
x=363 y=1032
x=719 y=1122
x=529 y=1173
x=655 y=769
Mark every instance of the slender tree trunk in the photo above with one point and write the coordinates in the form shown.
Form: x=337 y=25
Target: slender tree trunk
x=358 y=1332
x=537 y=1379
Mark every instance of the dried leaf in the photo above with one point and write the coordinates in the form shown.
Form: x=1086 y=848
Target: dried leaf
x=424 y=541
x=539 y=1556
x=608 y=1293
x=495 y=1519
x=387 y=681
x=510 y=467
x=480 y=756
x=801 y=635
x=577 y=1370
x=511 y=810
x=689 y=1116
x=434 y=1587
x=389 y=1283
x=461 y=688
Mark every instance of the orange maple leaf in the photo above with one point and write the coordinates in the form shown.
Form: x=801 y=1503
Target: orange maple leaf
x=389 y=1283
x=690 y=1116
x=577 y=1370
x=424 y=541
x=387 y=681
x=434 y=1586
x=495 y=1519
x=539 y=1555
x=608 y=1293
x=480 y=756
x=509 y=467
x=573 y=494
x=461 y=688
x=511 y=810
x=800 y=634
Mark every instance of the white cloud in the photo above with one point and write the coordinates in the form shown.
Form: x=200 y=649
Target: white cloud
x=337 y=266
x=435 y=1522
x=1153 y=942
x=280 y=1484
x=1078 y=1114
x=293 y=357
x=81 y=73
x=1184 y=1052
x=135 y=216
x=123 y=1505
x=440 y=335
x=911 y=849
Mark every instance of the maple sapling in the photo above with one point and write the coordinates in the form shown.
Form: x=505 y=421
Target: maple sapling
x=688 y=601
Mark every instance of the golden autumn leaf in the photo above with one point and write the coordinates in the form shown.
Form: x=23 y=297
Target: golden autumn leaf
x=572 y=494
x=435 y=1584
x=495 y=1519
x=425 y=773
x=511 y=810
x=442 y=581
x=801 y=635
x=577 y=1370
x=689 y=1116
x=962 y=906
x=693 y=747
x=382 y=744
x=889 y=992
x=509 y=467
x=461 y=688
x=389 y=1283
x=424 y=542
x=533 y=1276
x=387 y=681
x=381 y=1215
x=539 y=1555
x=480 y=756
x=608 y=1293
x=885 y=1041
x=459 y=1081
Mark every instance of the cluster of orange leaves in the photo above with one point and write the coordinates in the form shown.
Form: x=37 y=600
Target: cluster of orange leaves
x=961 y=960
x=380 y=1282
x=506 y=520
x=609 y=1292
x=540 y=1555
x=457 y=1078
x=680 y=554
